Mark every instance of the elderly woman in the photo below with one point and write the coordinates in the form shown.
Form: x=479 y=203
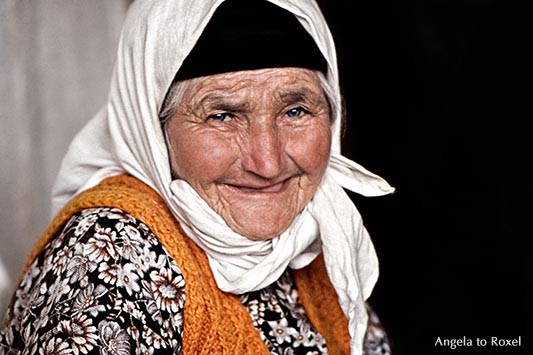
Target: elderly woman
x=202 y=211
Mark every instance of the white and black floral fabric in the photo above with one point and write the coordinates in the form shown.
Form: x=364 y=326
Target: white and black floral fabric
x=278 y=314
x=105 y=285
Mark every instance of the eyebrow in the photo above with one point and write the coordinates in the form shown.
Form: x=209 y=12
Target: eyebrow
x=300 y=95
x=221 y=102
x=230 y=107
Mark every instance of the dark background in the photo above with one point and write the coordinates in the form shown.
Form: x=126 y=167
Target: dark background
x=436 y=94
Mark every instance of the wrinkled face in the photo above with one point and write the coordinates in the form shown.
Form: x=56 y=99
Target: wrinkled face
x=253 y=144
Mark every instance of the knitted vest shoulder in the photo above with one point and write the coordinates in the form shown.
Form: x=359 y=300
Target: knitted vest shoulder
x=215 y=322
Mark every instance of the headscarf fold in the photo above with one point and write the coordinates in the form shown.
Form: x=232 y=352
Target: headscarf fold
x=126 y=137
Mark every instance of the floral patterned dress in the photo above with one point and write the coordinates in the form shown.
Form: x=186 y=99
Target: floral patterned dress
x=105 y=285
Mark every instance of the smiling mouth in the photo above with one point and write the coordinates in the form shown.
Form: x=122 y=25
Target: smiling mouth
x=272 y=188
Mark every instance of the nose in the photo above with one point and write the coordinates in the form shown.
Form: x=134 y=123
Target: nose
x=263 y=154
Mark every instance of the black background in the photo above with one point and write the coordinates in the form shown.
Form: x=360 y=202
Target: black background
x=436 y=96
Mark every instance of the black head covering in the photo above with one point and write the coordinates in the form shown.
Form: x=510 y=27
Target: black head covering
x=251 y=34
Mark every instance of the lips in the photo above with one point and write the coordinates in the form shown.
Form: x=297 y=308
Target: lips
x=253 y=188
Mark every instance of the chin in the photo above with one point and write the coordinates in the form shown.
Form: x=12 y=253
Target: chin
x=264 y=231
x=265 y=236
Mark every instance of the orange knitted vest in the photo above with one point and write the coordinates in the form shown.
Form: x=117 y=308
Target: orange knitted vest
x=215 y=322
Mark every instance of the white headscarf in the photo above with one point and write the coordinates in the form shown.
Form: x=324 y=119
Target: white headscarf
x=126 y=137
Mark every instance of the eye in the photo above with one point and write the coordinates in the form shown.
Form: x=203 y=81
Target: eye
x=296 y=112
x=222 y=117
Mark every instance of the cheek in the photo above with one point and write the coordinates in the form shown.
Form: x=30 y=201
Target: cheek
x=199 y=157
x=310 y=150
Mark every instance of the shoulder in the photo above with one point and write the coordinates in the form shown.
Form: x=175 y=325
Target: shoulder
x=104 y=277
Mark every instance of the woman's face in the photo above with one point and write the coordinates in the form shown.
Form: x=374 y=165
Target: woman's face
x=253 y=144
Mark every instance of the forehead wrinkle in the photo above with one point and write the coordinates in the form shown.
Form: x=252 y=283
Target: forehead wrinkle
x=221 y=101
x=242 y=91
